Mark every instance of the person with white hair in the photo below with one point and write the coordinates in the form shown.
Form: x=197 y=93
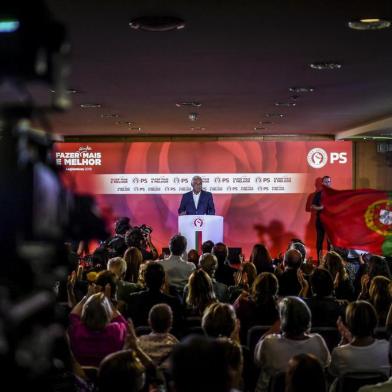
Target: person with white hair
x=197 y=201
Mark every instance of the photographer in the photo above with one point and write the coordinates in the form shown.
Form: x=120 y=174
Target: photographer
x=140 y=237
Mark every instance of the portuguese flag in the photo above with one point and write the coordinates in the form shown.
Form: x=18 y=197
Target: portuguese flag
x=358 y=219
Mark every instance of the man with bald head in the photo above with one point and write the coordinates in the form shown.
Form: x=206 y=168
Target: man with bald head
x=197 y=201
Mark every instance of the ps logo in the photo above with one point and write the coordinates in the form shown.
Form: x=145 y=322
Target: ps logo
x=318 y=158
x=198 y=222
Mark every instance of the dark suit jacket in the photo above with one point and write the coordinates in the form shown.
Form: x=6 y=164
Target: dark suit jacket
x=205 y=206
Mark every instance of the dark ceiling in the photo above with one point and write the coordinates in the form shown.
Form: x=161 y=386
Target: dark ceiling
x=237 y=58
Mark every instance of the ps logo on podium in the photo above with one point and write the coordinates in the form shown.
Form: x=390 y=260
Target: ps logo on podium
x=198 y=222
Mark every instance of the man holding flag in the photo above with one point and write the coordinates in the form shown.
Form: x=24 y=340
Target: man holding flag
x=358 y=219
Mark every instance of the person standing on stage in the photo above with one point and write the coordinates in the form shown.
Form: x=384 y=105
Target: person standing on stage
x=197 y=201
x=317 y=205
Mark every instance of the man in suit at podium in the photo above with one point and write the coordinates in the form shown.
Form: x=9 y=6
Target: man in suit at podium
x=197 y=201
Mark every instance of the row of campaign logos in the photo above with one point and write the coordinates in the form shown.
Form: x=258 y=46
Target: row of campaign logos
x=85 y=158
x=241 y=183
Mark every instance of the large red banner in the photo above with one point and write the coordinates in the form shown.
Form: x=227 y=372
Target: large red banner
x=262 y=189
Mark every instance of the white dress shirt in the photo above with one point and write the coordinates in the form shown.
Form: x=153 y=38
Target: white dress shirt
x=196 y=198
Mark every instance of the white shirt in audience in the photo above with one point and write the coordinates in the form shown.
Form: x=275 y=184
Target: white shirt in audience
x=349 y=358
x=380 y=387
x=177 y=271
x=273 y=353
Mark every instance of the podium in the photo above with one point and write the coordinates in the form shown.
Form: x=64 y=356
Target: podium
x=200 y=228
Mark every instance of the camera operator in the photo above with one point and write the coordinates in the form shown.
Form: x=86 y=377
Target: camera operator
x=140 y=237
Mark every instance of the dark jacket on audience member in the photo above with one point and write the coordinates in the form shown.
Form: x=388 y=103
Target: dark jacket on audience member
x=140 y=304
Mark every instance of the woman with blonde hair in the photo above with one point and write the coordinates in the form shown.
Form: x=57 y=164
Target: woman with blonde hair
x=200 y=293
x=343 y=286
x=96 y=328
x=380 y=297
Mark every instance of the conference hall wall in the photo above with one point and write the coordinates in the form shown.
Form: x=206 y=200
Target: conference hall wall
x=262 y=189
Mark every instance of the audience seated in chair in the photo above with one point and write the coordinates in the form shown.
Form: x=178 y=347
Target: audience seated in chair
x=259 y=307
x=159 y=344
x=140 y=304
x=274 y=351
x=359 y=351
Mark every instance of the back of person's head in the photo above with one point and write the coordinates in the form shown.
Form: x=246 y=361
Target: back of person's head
x=201 y=291
x=300 y=247
x=379 y=292
x=321 y=282
x=154 y=275
x=235 y=359
x=378 y=266
x=250 y=270
x=333 y=262
x=207 y=246
x=219 y=319
x=265 y=287
x=208 y=263
x=134 y=237
x=221 y=251
x=121 y=371
x=292 y=259
x=295 y=316
x=361 y=318
x=160 y=318
x=200 y=364
x=305 y=374
x=118 y=266
x=260 y=257
x=96 y=312
x=193 y=256
x=107 y=277
x=134 y=258
x=177 y=245
x=122 y=225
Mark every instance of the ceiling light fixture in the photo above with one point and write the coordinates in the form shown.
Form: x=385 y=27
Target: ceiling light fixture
x=90 y=105
x=157 y=23
x=193 y=116
x=265 y=122
x=369 y=24
x=321 y=66
x=286 y=104
x=271 y=115
x=197 y=129
x=259 y=128
x=127 y=123
x=110 y=115
x=135 y=129
x=69 y=91
x=191 y=103
x=300 y=90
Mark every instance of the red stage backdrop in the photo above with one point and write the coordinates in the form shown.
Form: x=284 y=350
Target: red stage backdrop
x=262 y=189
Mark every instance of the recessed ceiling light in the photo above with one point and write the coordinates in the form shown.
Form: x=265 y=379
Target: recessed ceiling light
x=192 y=103
x=325 y=66
x=110 y=115
x=259 y=128
x=369 y=24
x=193 y=116
x=69 y=91
x=300 y=90
x=90 y=105
x=270 y=115
x=286 y=104
x=127 y=123
x=135 y=129
x=265 y=122
x=157 y=23
x=197 y=129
